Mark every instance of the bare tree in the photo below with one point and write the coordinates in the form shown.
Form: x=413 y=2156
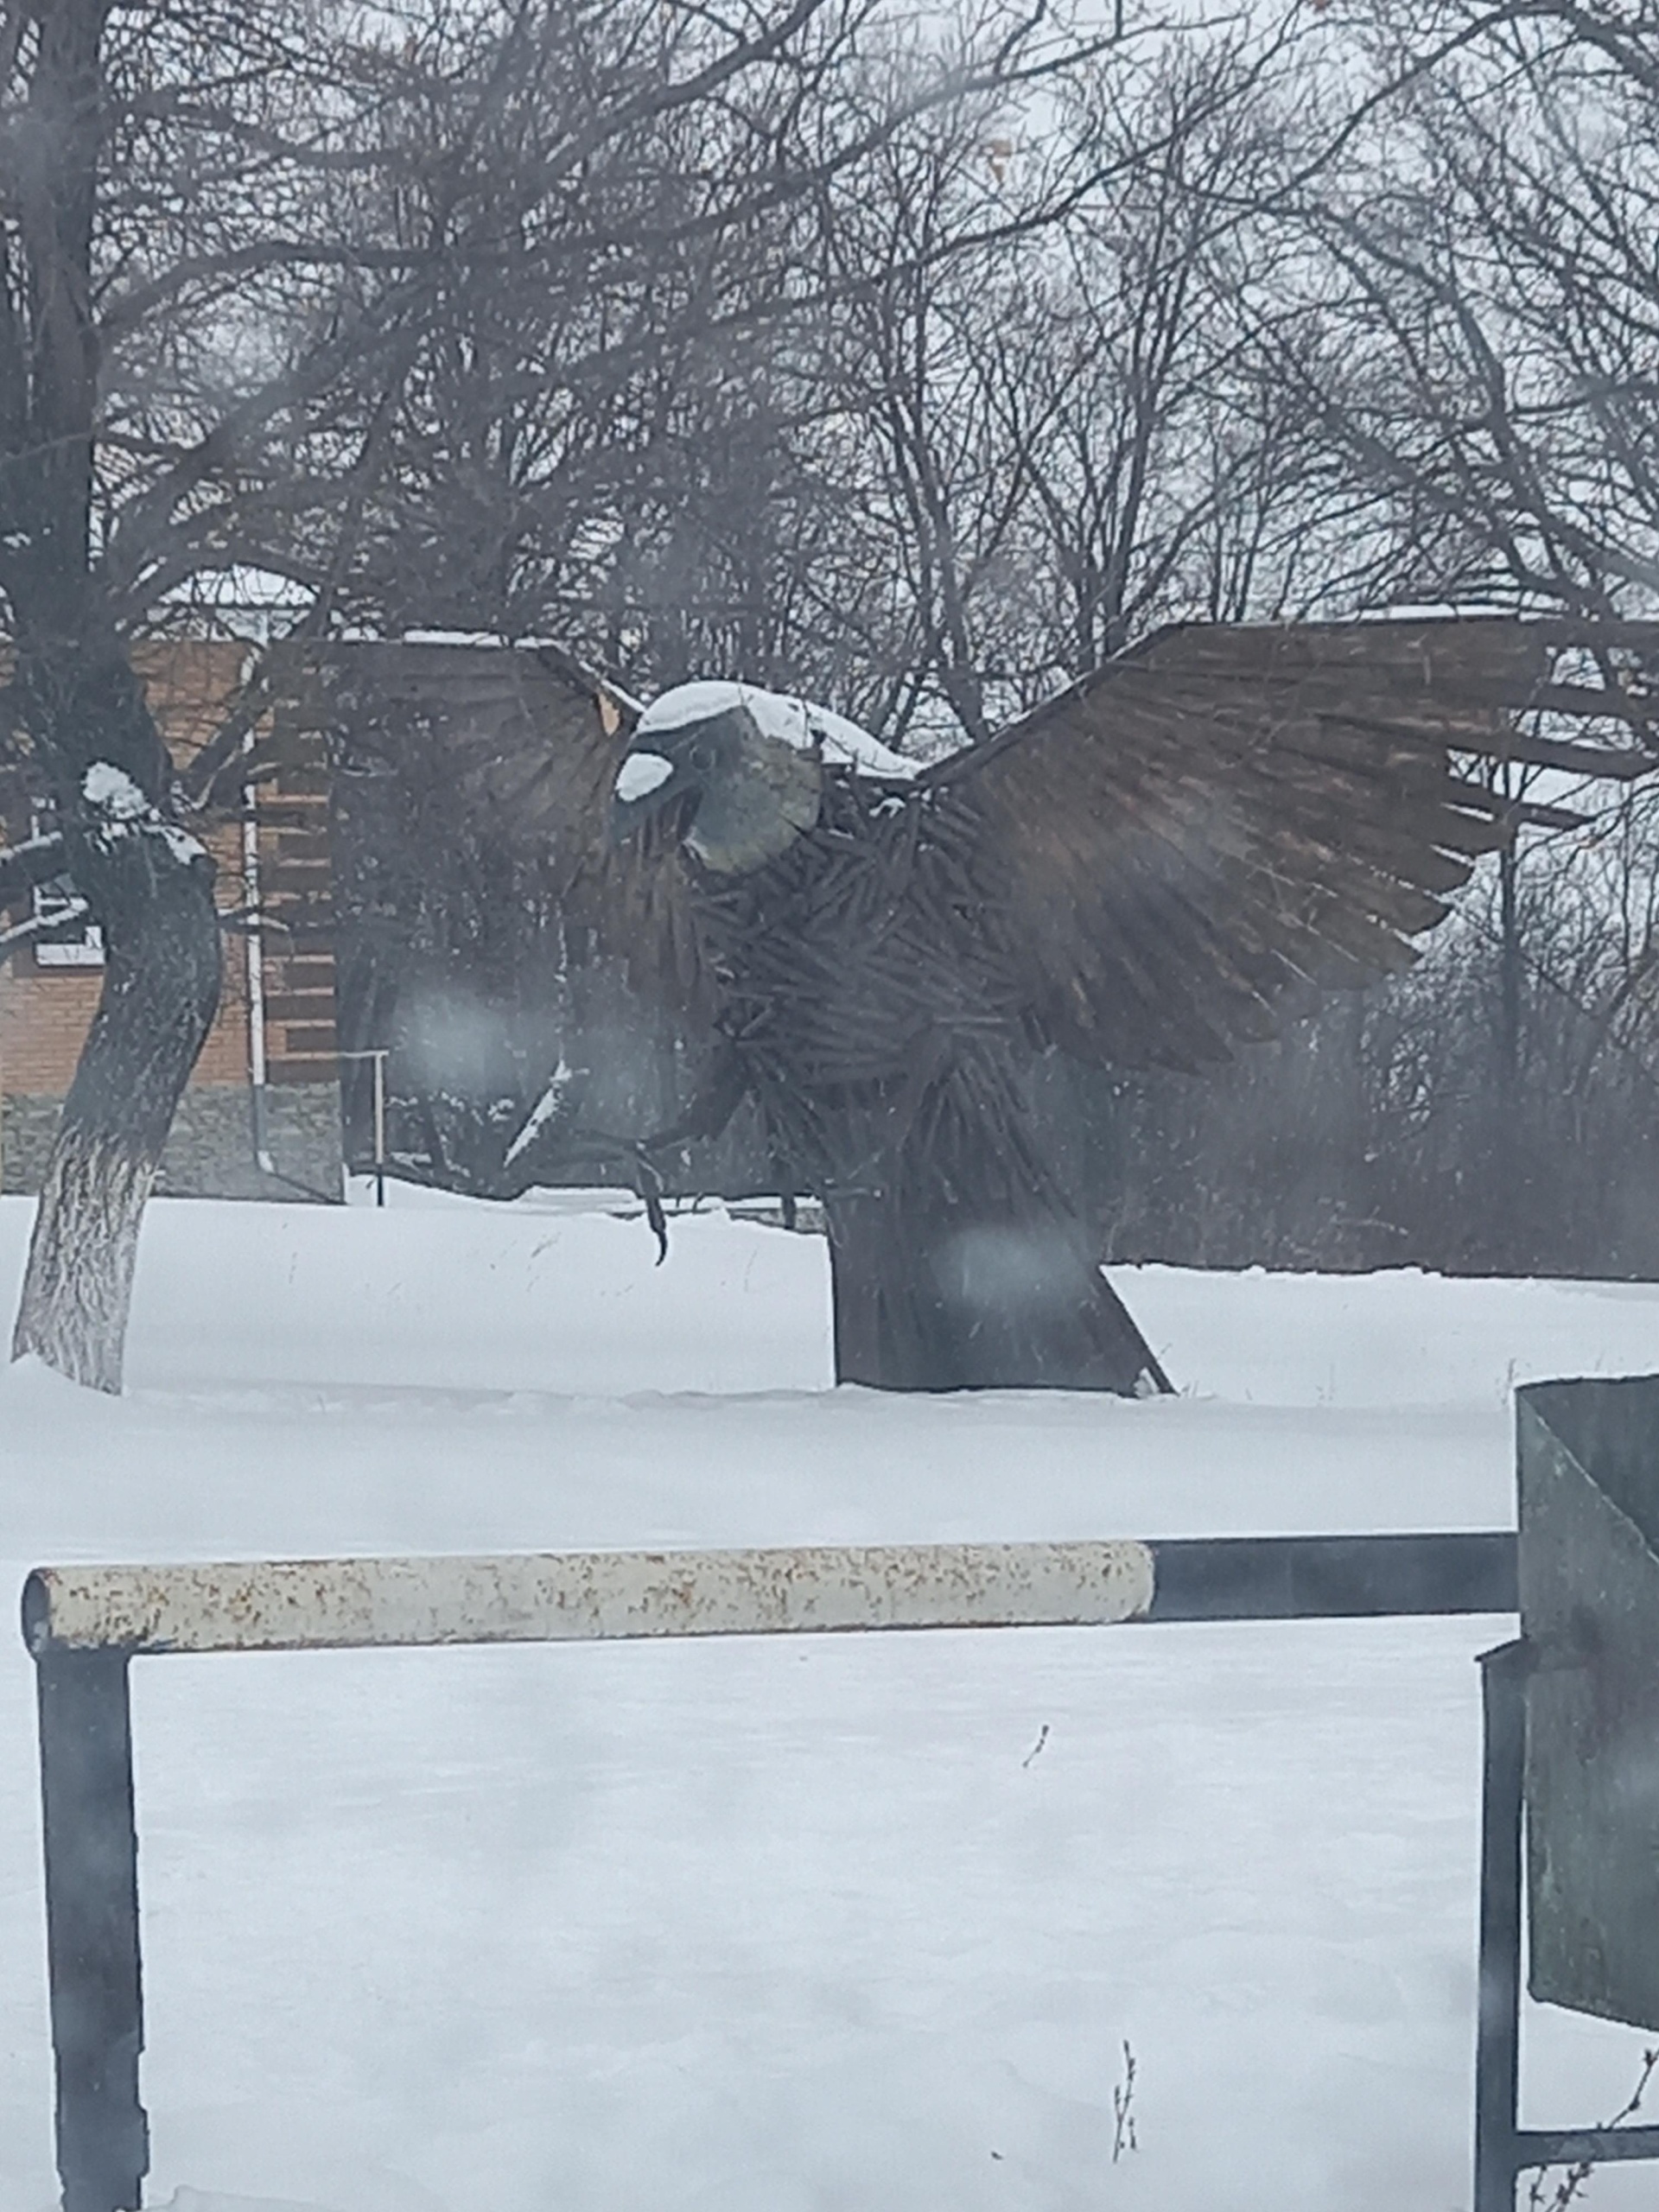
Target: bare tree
x=1063 y=429
x=242 y=256
x=1479 y=249
x=1169 y=476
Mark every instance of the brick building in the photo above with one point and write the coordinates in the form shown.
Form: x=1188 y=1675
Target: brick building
x=261 y=1117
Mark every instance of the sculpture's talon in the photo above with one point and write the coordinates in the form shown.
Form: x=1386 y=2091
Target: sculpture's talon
x=649 y=1183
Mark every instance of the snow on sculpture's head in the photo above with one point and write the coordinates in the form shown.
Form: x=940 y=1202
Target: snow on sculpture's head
x=746 y=766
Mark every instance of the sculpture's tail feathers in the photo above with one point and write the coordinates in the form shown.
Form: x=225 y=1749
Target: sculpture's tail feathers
x=940 y=1304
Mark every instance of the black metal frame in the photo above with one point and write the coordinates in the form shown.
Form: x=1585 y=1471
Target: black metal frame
x=1504 y=2150
x=90 y=1837
x=93 y=1967
x=1333 y=1577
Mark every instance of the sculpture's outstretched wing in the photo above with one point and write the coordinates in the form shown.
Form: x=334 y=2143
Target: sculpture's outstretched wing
x=497 y=768
x=1180 y=848
x=534 y=986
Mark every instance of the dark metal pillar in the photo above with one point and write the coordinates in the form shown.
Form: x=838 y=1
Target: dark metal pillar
x=1503 y=2149
x=91 y=1921
x=1497 y=2040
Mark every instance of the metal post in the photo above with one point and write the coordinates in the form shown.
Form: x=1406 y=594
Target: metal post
x=258 y=1070
x=379 y=1128
x=92 y=1926
x=378 y=1054
x=1497 y=2041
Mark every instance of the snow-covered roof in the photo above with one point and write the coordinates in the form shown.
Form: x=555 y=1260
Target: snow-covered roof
x=799 y=722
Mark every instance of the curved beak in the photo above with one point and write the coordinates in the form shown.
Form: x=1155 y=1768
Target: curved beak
x=645 y=784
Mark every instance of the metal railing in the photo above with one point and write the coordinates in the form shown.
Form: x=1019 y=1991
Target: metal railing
x=84 y=1625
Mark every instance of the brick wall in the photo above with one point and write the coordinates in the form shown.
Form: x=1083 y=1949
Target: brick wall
x=46 y=1009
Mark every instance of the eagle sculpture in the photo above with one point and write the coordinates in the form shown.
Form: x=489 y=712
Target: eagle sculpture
x=1169 y=860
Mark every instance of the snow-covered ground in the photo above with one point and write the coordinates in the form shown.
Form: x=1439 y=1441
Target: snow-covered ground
x=782 y=1926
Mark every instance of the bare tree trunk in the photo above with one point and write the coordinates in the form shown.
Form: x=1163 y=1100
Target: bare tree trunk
x=150 y=886
x=1508 y=1215
x=79 y=1287
x=161 y=991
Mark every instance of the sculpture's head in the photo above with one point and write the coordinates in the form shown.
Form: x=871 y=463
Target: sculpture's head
x=744 y=781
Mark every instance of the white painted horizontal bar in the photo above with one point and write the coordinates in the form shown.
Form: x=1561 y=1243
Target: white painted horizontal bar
x=557 y=1597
